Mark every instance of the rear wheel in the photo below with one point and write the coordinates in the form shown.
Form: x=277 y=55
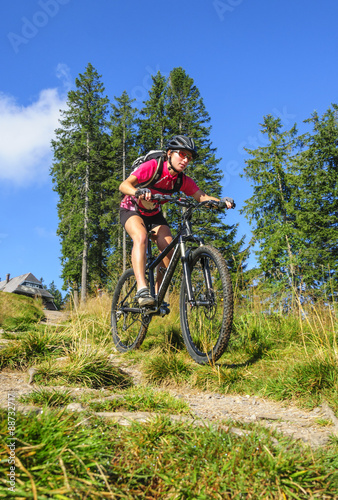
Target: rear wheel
x=206 y=324
x=129 y=322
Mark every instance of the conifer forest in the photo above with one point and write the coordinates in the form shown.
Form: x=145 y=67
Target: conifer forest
x=293 y=211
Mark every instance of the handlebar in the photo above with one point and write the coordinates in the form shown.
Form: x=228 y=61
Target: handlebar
x=184 y=202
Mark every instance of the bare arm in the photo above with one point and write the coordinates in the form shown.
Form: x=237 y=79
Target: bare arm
x=129 y=187
x=202 y=196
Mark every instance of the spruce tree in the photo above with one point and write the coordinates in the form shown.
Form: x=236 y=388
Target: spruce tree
x=123 y=153
x=294 y=206
x=270 y=208
x=317 y=199
x=57 y=296
x=77 y=172
x=187 y=115
x=153 y=123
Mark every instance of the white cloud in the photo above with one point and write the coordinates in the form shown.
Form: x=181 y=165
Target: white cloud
x=26 y=133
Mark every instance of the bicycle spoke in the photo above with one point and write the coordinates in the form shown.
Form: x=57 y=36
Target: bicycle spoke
x=206 y=323
x=128 y=327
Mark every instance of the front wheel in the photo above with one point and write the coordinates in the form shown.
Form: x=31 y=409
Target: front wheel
x=129 y=322
x=206 y=322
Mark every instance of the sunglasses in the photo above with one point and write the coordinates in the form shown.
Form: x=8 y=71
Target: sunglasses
x=184 y=155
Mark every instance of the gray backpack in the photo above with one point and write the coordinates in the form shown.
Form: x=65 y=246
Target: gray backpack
x=159 y=156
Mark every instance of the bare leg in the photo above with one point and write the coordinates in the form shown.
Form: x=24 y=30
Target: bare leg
x=162 y=237
x=138 y=233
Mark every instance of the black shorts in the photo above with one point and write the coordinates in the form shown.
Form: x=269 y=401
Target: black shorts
x=150 y=221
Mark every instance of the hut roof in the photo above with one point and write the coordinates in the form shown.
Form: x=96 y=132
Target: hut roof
x=26 y=284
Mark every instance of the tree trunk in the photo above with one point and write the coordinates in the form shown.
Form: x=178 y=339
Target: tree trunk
x=291 y=266
x=124 y=241
x=76 y=297
x=85 y=232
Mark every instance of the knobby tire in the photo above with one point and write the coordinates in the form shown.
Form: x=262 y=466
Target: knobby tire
x=206 y=327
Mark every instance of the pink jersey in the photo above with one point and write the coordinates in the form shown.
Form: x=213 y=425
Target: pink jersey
x=167 y=181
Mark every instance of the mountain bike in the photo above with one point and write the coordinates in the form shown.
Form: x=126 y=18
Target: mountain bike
x=206 y=298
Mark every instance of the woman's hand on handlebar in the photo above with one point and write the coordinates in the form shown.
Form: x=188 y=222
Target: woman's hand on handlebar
x=221 y=204
x=227 y=202
x=143 y=193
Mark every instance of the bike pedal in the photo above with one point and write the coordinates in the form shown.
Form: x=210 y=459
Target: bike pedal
x=164 y=310
x=149 y=309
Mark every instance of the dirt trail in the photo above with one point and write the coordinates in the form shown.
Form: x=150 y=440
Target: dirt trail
x=205 y=407
x=312 y=427
x=291 y=421
x=54 y=317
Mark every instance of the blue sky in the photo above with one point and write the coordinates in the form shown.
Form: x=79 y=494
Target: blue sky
x=247 y=58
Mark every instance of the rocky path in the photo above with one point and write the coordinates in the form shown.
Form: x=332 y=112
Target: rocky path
x=288 y=420
x=291 y=421
x=220 y=409
x=312 y=427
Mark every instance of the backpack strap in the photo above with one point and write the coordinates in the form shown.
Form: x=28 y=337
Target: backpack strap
x=178 y=183
x=157 y=174
x=176 y=188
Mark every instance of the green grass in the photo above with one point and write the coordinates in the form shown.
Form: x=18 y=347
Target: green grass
x=88 y=367
x=45 y=397
x=167 y=367
x=284 y=357
x=18 y=313
x=71 y=457
x=142 y=399
x=35 y=346
x=310 y=382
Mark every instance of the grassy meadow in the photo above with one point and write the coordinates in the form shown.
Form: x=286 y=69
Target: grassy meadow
x=62 y=455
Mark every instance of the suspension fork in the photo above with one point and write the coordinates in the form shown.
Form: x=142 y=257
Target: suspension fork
x=186 y=271
x=148 y=266
x=187 y=276
x=206 y=273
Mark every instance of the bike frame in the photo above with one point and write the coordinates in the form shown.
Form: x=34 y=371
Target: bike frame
x=184 y=235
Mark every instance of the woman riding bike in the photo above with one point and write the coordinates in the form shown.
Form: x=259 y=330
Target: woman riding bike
x=139 y=214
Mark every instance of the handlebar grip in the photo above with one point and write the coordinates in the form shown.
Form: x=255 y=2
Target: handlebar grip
x=141 y=191
x=161 y=197
x=230 y=200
